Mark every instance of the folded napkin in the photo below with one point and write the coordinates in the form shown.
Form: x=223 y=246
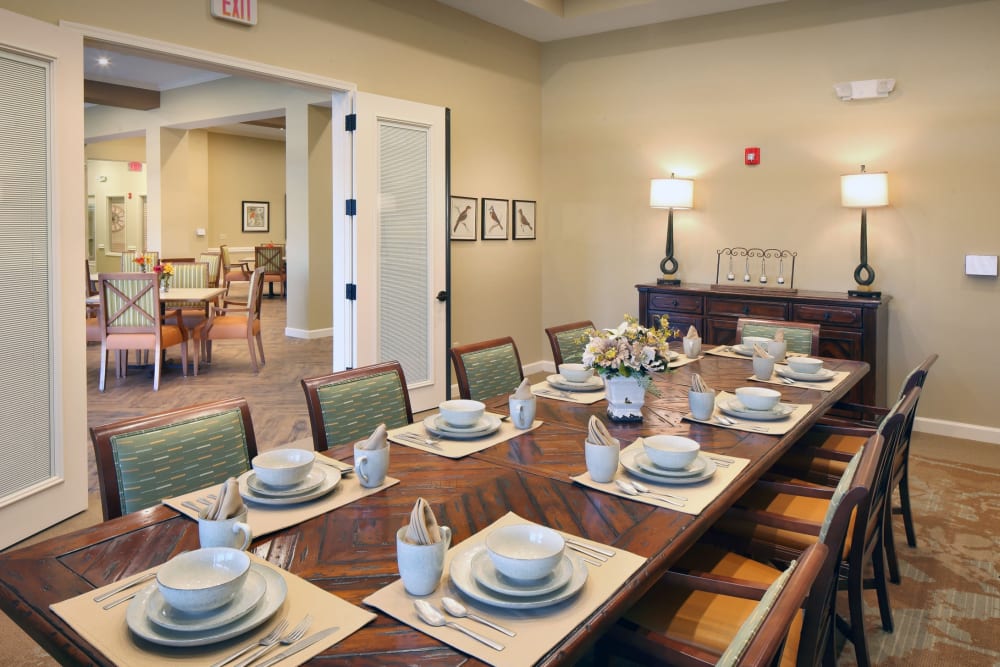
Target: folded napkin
x=698 y=385
x=779 y=336
x=228 y=502
x=377 y=440
x=523 y=391
x=761 y=351
x=598 y=434
x=423 y=527
x=692 y=332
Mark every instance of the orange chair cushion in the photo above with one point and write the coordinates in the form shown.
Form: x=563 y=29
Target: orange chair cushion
x=169 y=335
x=231 y=326
x=785 y=504
x=803 y=456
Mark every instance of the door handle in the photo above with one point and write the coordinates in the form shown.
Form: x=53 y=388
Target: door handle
x=442 y=296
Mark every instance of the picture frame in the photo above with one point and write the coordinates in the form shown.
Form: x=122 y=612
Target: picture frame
x=256 y=216
x=523 y=220
x=495 y=220
x=463 y=218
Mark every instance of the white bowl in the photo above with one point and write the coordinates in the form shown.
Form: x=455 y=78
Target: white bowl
x=748 y=341
x=758 y=398
x=575 y=372
x=202 y=580
x=805 y=364
x=670 y=451
x=283 y=467
x=525 y=551
x=462 y=412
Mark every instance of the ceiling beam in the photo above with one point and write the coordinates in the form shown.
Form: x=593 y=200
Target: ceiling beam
x=113 y=95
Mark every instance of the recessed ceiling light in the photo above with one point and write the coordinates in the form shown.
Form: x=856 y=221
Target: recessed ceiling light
x=103 y=61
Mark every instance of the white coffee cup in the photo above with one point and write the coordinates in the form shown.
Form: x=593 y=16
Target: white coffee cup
x=777 y=349
x=371 y=465
x=522 y=412
x=421 y=565
x=602 y=460
x=763 y=368
x=702 y=403
x=692 y=347
x=233 y=532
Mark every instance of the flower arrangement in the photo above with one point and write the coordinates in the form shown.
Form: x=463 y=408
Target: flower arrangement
x=164 y=272
x=141 y=261
x=630 y=350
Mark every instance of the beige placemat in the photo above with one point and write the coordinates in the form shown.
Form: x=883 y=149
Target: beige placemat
x=778 y=427
x=538 y=630
x=265 y=519
x=545 y=390
x=695 y=497
x=727 y=351
x=455 y=449
x=107 y=630
x=826 y=385
x=683 y=360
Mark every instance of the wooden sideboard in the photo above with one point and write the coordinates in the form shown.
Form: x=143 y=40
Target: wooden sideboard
x=850 y=327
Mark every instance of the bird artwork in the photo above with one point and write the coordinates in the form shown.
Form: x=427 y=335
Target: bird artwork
x=461 y=219
x=497 y=223
x=523 y=219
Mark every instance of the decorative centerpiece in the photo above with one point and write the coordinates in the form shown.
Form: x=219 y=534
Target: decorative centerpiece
x=164 y=272
x=141 y=261
x=625 y=357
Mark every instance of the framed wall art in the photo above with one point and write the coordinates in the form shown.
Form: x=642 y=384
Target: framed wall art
x=463 y=218
x=256 y=216
x=495 y=220
x=523 y=219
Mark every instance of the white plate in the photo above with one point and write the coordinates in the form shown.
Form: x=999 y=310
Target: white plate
x=433 y=427
x=696 y=467
x=742 y=349
x=329 y=484
x=312 y=481
x=823 y=375
x=139 y=623
x=461 y=577
x=734 y=408
x=482 y=425
x=629 y=463
x=593 y=383
x=487 y=575
x=165 y=616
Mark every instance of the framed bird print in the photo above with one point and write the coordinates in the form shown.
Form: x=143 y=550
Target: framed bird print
x=495 y=220
x=523 y=219
x=463 y=218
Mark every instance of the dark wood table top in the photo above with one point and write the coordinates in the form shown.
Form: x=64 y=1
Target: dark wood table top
x=351 y=551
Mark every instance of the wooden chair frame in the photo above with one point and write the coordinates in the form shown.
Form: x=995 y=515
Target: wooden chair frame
x=457 y=358
x=553 y=334
x=781 y=324
x=231 y=272
x=270 y=259
x=252 y=310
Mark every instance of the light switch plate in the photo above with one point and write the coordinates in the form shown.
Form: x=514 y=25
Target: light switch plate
x=981 y=265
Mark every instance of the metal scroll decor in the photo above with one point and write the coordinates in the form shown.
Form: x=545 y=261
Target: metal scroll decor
x=766 y=267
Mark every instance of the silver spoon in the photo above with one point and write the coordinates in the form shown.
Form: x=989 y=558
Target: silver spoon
x=431 y=616
x=632 y=491
x=642 y=488
x=458 y=610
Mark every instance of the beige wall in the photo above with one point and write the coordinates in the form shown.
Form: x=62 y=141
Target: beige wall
x=621 y=108
x=242 y=168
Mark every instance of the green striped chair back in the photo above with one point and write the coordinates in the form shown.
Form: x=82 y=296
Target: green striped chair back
x=268 y=258
x=352 y=408
x=178 y=458
x=796 y=339
x=572 y=344
x=130 y=303
x=492 y=372
x=129 y=265
x=189 y=274
x=214 y=262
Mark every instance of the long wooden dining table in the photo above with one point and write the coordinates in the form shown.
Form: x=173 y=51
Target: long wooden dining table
x=351 y=551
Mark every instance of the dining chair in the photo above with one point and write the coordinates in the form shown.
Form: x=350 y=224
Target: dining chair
x=568 y=341
x=130 y=319
x=237 y=320
x=348 y=405
x=142 y=460
x=191 y=274
x=272 y=259
x=799 y=336
x=214 y=261
x=129 y=265
x=487 y=369
x=232 y=272
x=93 y=323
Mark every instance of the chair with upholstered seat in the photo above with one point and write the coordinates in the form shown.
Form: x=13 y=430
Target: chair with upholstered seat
x=232 y=271
x=237 y=320
x=142 y=460
x=214 y=261
x=487 y=369
x=799 y=336
x=271 y=258
x=568 y=341
x=348 y=405
x=191 y=274
x=150 y=258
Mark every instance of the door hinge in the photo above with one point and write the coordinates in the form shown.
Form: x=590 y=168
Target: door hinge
x=352 y=292
x=352 y=207
x=351 y=122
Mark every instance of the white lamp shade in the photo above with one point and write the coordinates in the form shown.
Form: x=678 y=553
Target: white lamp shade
x=864 y=190
x=671 y=193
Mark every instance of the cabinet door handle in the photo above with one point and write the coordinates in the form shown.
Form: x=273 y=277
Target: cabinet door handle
x=746 y=310
x=676 y=303
x=826 y=316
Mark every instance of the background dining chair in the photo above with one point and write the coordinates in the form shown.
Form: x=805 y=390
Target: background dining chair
x=799 y=336
x=348 y=405
x=129 y=265
x=214 y=261
x=232 y=271
x=487 y=369
x=191 y=274
x=237 y=320
x=130 y=320
x=142 y=460
x=568 y=342
x=271 y=258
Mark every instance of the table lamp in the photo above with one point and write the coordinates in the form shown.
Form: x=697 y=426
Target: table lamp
x=670 y=193
x=864 y=190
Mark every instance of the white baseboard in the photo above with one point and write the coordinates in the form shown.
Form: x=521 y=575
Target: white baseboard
x=309 y=333
x=987 y=434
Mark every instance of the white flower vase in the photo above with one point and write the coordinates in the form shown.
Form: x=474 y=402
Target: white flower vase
x=626 y=396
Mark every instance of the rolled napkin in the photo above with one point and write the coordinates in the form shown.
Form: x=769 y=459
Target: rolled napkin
x=523 y=391
x=698 y=385
x=692 y=332
x=377 y=440
x=597 y=432
x=761 y=351
x=779 y=336
x=228 y=502
x=423 y=527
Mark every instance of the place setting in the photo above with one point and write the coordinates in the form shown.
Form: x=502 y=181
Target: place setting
x=755 y=409
x=505 y=595
x=574 y=383
x=805 y=372
x=691 y=344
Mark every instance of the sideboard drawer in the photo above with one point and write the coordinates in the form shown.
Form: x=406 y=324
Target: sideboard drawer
x=675 y=303
x=769 y=310
x=833 y=315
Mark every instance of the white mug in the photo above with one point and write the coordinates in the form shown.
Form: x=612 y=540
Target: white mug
x=702 y=404
x=692 y=347
x=421 y=565
x=763 y=368
x=777 y=349
x=602 y=460
x=371 y=465
x=233 y=532
x=522 y=412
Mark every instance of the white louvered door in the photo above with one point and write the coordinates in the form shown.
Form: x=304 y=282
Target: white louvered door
x=401 y=242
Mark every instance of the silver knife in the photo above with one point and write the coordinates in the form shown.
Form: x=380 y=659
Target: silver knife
x=130 y=584
x=300 y=645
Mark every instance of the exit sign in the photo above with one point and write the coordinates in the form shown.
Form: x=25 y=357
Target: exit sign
x=135 y=166
x=241 y=11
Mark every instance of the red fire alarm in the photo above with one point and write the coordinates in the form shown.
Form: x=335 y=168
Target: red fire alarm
x=751 y=155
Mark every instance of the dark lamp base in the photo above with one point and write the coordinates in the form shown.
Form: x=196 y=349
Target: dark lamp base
x=668 y=281
x=864 y=294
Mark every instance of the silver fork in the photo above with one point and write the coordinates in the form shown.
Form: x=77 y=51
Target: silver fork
x=294 y=635
x=416 y=439
x=267 y=640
